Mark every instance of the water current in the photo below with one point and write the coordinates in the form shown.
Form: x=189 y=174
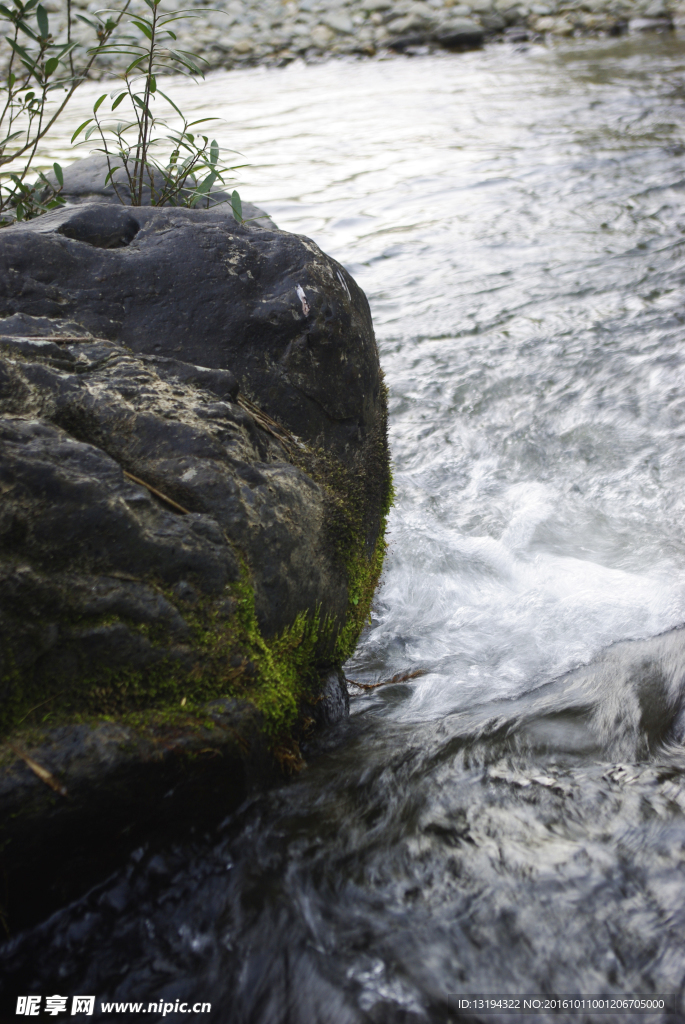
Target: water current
x=513 y=819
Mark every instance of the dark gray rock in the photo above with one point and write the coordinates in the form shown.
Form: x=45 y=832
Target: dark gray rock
x=460 y=33
x=116 y=790
x=210 y=308
x=194 y=471
x=332 y=704
x=270 y=307
x=80 y=413
x=454 y=34
x=84 y=182
x=407 y=40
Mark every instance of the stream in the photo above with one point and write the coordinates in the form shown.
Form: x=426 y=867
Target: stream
x=512 y=819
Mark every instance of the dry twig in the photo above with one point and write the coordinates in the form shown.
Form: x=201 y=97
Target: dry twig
x=400 y=677
x=263 y=419
x=31 y=710
x=43 y=774
x=157 y=494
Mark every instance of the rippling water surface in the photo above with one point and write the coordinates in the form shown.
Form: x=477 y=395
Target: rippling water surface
x=509 y=821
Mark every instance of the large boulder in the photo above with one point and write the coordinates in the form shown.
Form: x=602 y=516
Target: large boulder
x=194 y=472
x=194 y=285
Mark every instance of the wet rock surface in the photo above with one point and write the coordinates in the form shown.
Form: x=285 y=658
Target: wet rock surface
x=70 y=506
x=490 y=825
x=192 y=432
x=194 y=285
x=89 y=180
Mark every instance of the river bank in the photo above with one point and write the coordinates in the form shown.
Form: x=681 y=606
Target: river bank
x=239 y=33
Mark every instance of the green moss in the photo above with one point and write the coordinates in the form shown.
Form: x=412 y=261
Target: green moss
x=284 y=668
x=363 y=577
x=226 y=655
x=359 y=500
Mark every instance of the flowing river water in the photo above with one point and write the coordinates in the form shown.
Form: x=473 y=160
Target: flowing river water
x=513 y=820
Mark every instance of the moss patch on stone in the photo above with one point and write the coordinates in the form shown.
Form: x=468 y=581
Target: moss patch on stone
x=359 y=500
x=226 y=657
x=225 y=654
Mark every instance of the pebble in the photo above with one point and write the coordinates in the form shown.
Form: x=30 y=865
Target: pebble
x=235 y=33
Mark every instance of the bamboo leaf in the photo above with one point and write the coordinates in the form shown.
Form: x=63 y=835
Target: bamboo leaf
x=187 y=60
x=80 y=129
x=153 y=84
x=144 y=29
x=98 y=103
x=119 y=50
x=166 y=19
x=58 y=174
x=42 y=19
x=143 y=106
x=136 y=62
x=51 y=65
x=236 y=206
x=120 y=98
x=207 y=183
x=28 y=31
x=10 y=138
x=214 y=152
x=169 y=100
x=111 y=172
x=20 y=50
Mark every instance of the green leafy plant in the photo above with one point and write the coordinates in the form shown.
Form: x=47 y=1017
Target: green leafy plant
x=176 y=165
x=36 y=66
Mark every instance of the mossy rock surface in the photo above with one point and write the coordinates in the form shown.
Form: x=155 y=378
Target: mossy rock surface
x=195 y=480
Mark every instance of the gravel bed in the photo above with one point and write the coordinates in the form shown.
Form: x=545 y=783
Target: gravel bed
x=235 y=33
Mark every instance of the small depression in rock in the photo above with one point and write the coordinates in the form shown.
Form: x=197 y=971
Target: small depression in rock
x=104 y=232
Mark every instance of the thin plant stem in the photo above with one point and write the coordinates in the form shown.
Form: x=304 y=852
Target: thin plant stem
x=71 y=52
x=82 y=75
